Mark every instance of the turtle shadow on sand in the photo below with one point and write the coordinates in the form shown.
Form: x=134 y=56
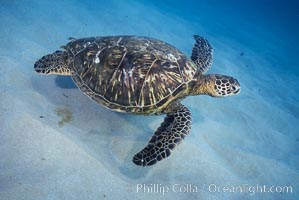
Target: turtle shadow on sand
x=65 y=82
x=97 y=139
x=141 y=138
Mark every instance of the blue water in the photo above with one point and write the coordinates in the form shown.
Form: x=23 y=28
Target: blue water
x=249 y=141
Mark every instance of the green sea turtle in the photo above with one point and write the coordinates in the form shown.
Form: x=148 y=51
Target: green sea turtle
x=141 y=75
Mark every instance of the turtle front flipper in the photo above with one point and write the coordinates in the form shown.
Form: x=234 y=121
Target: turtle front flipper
x=202 y=54
x=172 y=131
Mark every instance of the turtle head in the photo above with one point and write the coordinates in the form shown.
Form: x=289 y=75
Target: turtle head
x=55 y=63
x=215 y=85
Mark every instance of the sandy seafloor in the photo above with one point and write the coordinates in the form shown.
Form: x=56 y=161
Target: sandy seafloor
x=248 y=140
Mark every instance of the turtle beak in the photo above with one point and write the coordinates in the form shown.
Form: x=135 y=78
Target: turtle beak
x=40 y=68
x=235 y=86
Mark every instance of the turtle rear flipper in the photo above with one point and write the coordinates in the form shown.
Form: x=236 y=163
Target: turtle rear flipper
x=172 y=131
x=202 y=54
x=55 y=63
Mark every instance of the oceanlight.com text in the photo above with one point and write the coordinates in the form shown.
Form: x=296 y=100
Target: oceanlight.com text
x=251 y=189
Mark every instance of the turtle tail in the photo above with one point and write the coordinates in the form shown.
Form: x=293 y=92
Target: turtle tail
x=55 y=63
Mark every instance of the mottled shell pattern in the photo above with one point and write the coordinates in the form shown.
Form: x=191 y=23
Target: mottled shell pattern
x=130 y=73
